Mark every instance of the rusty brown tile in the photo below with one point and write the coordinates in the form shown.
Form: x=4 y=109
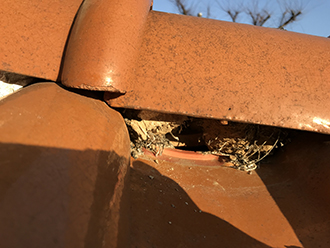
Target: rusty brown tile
x=104 y=44
x=63 y=170
x=283 y=204
x=33 y=35
x=238 y=72
x=172 y=63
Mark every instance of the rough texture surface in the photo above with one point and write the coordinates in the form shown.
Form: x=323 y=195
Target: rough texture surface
x=33 y=35
x=208 y=68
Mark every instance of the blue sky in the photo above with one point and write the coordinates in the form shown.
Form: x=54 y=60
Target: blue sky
x=315 y=18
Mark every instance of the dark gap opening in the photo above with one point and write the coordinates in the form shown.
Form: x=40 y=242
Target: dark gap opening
x=242 y=144
x=19 y=79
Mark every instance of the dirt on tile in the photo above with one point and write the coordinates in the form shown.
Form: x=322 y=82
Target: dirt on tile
x=243 y=145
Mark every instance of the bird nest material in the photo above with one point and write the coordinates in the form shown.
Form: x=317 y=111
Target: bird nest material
x=149 y=129
x=244 y=146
